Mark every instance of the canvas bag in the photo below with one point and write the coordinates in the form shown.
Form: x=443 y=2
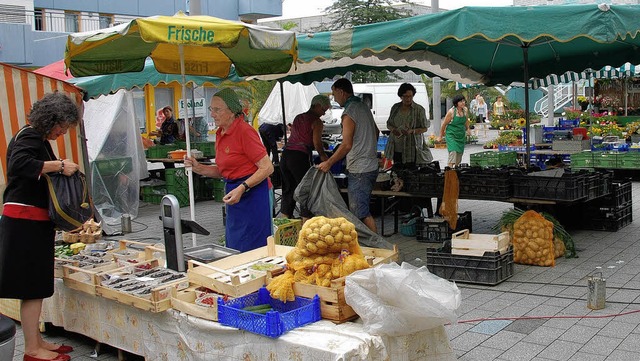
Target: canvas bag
x=69 y=202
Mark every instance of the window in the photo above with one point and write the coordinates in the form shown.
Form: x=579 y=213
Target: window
x=71 y=22
x=106 y=20
x=139 y=109
x=38 y=19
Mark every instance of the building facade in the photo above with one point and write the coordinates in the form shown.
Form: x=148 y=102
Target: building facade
x=33 y=33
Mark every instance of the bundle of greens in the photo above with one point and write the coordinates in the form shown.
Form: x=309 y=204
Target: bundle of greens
x=510 y=217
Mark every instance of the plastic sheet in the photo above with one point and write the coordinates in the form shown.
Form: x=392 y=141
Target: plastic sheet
x=398 y=300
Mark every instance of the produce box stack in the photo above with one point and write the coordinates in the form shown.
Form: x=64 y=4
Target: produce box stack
x=494 y=159
x=610 y=212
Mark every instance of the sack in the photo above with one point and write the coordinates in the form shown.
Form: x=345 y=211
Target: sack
x=69 y=202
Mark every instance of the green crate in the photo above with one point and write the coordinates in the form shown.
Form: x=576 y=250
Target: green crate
x=152 y=198
x=605 y=160
x=113 y=166
x=176 y=178
x=182 y=194
x=160 y=151
x=287 y=233
x=582 y=160
x=218 y=189
x=630 y=160
x=494 y=159
x=208 y=149
x=147 y=190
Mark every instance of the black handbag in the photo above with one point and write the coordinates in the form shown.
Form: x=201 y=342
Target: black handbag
x=70 y=204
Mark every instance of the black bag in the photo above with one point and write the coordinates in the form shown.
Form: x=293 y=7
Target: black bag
x=69 y=202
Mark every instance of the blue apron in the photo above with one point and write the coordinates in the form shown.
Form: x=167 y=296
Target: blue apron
x=248 y=221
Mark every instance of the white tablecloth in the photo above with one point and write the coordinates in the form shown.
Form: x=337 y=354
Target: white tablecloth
x=172 y=335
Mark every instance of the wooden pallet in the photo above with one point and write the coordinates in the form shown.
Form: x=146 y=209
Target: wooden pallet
x=475 y=244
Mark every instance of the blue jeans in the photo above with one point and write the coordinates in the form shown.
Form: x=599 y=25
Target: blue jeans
x=359 y=188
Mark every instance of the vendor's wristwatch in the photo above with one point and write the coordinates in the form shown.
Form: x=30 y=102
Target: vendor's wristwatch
x=246 y=187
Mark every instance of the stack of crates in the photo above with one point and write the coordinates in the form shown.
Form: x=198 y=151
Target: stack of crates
x=208 y=149
x=435 y=230
x=160 y=151
x=176 y=183
x=611 y=212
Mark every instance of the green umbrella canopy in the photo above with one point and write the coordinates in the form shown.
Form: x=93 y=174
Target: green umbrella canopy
x=482 y=44
x=95 y=86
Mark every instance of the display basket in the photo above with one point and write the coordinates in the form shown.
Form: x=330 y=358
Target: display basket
x=285 y=315
x=408 y=227
x=287 y=233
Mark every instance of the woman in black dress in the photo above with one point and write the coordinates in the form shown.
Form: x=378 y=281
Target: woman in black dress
x=26 y=233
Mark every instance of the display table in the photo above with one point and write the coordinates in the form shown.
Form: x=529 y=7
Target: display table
x=172 y=335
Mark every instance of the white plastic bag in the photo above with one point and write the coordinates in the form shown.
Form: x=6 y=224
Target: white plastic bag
x=399 y=300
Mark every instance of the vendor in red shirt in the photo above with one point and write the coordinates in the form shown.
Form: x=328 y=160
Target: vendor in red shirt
x=242 y=161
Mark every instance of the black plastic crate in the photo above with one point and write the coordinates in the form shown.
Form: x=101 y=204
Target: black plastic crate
x=598 y=184
x=490 y=269
x=620 y=195
x=570 y=187
x=613 y=222
x=438 y=230
x=488 y=184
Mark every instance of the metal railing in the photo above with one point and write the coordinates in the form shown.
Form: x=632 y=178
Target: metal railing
x=562 y=95
x=59 y=21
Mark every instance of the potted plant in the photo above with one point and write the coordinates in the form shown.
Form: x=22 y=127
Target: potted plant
x=583 y=101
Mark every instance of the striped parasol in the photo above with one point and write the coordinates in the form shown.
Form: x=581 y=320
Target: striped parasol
x=608 y=72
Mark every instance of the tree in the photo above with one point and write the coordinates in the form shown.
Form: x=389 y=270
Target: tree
x=349 y=13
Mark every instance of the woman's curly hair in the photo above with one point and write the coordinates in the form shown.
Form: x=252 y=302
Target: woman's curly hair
x=52 y=109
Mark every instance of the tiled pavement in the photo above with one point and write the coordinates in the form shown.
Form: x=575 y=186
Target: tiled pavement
x=538 y=314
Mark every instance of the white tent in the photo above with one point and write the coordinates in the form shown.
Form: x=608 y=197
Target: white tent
x=116 y=158
x=297 y=99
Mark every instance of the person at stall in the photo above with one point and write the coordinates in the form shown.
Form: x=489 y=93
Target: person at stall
x=26 y=233
x=271 y=134
x=481 y=113
x=499 y=109
x=455 y=129
x=407 y=123
x=169 y=131
x=306 y=135
x=199 y=129
x=359 y=144
x=242 y=161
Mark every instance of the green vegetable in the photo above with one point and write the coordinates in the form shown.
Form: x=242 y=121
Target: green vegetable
x=281 y=221
x=265 y=307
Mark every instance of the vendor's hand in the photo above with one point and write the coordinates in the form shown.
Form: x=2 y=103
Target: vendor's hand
x=191 y=163
x=69 y=167
x=234 y=195
x=324 y=166
x=439 y=139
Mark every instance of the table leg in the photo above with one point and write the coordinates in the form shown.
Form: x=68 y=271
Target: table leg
x=382 y=216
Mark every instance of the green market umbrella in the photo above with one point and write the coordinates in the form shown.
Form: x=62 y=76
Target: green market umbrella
x=489 y=45
x=185 y=45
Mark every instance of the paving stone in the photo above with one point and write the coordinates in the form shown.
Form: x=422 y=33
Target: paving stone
x=617 y=329
x=620 y=355
x=481 y=353
x=579 y=333
x=468 y=340
x=490 y=327
x=583 y=356
x=525 y=326
x=601 y=345
x=630 y=343
x=503 y=340
x=522 y=351
x=544 y=335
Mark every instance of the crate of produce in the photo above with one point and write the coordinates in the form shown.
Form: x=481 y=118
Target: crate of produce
x=434 y=230
x=147 y=288
x=199 y=304
x=261 y=314
x=493 y=159
x=86 y=279
x=160 y=151
x=568 y=187
x=570 y=145
x=113 y=166
x=475 y=244
x=490 y=269
x=287 y=231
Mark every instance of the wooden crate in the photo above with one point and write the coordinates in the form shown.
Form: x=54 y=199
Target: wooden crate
x=474 y=244
x=231 y=276
x=58 y=265
x=185 y=301
x=332 y=302
x=87 y=279
x=159 y=300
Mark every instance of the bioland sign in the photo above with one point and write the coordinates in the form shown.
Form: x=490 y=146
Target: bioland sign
x=196 y=104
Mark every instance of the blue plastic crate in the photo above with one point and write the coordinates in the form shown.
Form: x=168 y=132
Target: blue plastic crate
x=285 y=315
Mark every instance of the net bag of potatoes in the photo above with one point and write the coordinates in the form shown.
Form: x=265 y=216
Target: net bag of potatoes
x=533 y=240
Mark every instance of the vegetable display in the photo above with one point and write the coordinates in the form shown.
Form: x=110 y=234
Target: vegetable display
x=327 y=249
x=533 y=240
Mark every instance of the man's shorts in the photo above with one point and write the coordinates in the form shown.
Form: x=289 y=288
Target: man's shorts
x=359 y=187
x=454 y=158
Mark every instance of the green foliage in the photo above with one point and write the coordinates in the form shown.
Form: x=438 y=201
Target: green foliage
x=374 y=77
x=349 y=13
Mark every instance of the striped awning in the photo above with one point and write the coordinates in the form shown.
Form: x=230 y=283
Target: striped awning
x=22 y=88
x=608 y=72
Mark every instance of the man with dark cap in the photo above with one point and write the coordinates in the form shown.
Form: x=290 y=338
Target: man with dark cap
x=359 y=145
x=169 y=131
x=271 y=134
x=242 y=161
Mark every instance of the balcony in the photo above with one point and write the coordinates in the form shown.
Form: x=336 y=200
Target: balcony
x=253 y=10
x=58 y=21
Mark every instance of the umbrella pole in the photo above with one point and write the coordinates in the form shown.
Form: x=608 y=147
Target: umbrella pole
x=525 y=57
x=192 y=203
x=284 y=121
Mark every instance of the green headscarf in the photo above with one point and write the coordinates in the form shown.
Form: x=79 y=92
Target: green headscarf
x=231 y=99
